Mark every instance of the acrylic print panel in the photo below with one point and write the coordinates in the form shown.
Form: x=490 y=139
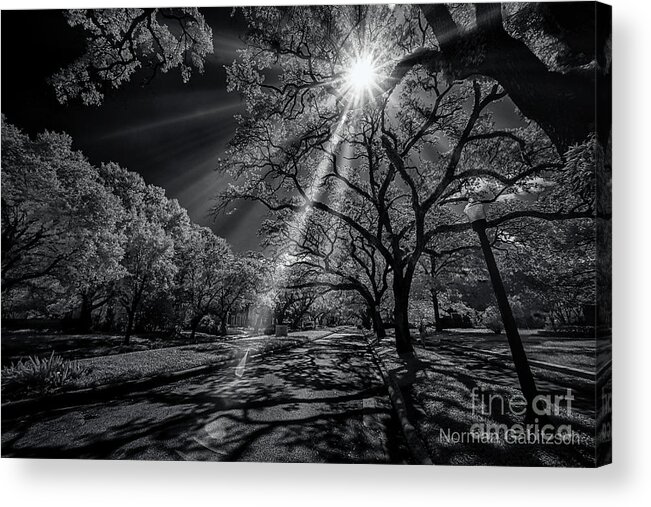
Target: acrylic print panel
x=333 y=234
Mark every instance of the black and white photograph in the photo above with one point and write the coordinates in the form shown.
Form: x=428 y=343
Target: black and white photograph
x=344 y=234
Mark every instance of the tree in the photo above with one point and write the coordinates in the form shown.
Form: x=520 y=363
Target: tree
x=293 y=304
x=410 y=160
x=150 y=223
x=238 y=279
x=202 y=260
x=443 y=268
x=553 y=60
x=331 y=255
x=289 y=292
x=59 y=222
x=89 y=282
x=121 y=41
x=556 y=261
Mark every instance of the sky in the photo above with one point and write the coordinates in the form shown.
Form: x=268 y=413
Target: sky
x=170 y=132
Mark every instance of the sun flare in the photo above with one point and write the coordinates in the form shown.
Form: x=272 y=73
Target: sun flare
x=362 y=77
x=362 y=74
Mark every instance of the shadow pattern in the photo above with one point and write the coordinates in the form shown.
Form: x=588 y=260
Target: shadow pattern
x=321 y=402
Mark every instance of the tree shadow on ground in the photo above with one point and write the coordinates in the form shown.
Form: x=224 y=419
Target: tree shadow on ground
x=446 y=414
x=317 y=403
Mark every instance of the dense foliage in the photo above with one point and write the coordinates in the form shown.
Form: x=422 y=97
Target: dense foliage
x=101 y=245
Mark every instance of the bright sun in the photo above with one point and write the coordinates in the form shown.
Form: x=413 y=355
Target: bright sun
x=362 y=73
x=362 y=76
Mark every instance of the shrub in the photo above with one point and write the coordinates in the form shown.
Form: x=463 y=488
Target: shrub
x=40 y=375
x=492 y=320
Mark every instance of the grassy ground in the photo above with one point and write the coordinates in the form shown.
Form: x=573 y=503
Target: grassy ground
x=573 y=352
x=18 y=345
x=459 y=402
x=442 y=397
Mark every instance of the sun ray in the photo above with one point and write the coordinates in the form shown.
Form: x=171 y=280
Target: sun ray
x=297 y=226
x=358 y=84
x=165 y=122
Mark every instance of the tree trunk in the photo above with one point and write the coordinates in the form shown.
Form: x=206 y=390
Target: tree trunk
x=260 y=321
x=109 y=318
x=378 y=325
x=223 y=328
x=247 y=317
x=520 y=361
x=85 y=315
x=561 y=103
x=401 y=315
x=127 y=332
x=194 y=324
x=437 y=314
